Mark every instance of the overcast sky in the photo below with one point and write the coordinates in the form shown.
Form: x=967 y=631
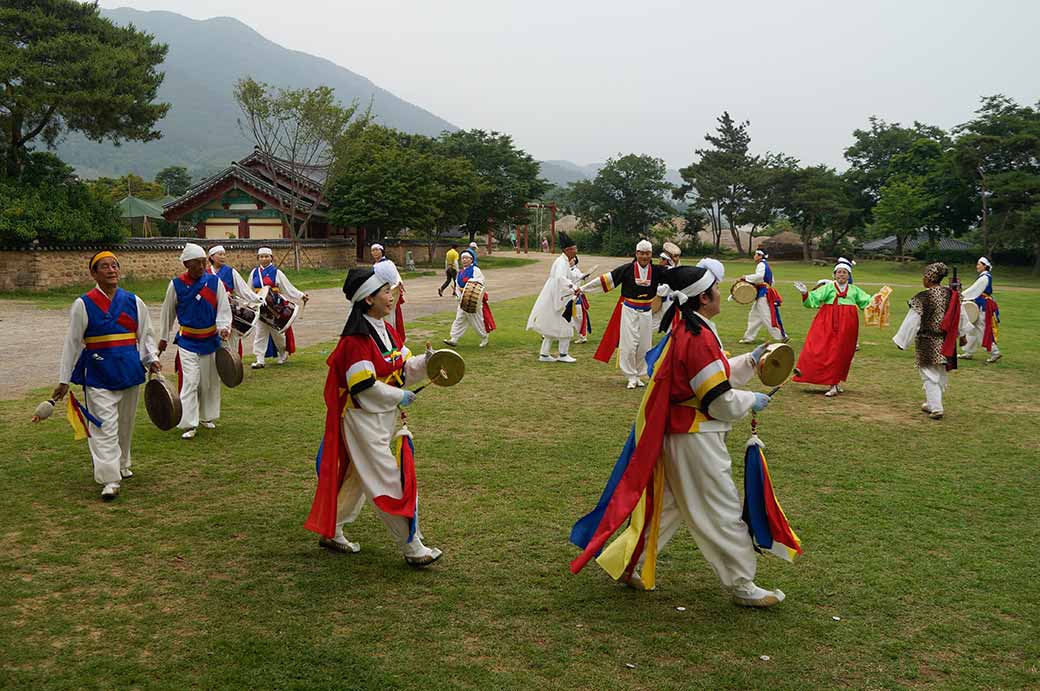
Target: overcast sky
x=583 y=80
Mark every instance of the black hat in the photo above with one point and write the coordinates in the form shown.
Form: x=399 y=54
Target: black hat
x=565 y=241
x=355 y=281
x=685 y=278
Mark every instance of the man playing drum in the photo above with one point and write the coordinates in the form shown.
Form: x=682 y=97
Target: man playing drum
x=387 y=270
x=357 y=458
x=985 y=327
x=236 y=287
x=480 y=318
x=198 y=302
x=765 y=311
x=675 y=468
x=550 y=316
x=267 y=341
x=629 y=327
x=108 y=345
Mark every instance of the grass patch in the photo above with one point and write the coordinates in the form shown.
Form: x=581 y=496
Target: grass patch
x=920 y=535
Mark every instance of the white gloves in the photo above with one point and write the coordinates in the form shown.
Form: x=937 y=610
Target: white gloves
x=801 y=287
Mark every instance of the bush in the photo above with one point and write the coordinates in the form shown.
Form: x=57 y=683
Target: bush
x=56 y=213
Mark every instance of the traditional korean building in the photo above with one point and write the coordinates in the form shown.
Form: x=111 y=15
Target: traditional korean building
x=243 y=201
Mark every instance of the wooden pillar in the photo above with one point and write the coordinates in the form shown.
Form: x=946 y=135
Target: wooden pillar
x=243 y=228
x=361 y=241
x=525 y=239
x=200 y=229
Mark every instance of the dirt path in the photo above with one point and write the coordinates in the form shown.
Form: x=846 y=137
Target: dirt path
x=31 y=338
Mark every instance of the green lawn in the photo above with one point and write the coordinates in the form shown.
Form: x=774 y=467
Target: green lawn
x=920 y=536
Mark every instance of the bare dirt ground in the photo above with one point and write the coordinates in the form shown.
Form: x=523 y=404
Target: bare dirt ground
x=31 y=338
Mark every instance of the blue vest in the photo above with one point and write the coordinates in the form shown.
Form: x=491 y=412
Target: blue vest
x=227 y=277
x=988 y=290
x=265 y=276
x=763 y=290
x=197 y=314
x=464 y=275
x=110 y=359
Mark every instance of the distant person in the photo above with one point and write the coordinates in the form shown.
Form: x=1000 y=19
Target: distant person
x=986 y=326
x=267 y=342
x=451 y=269
x=550 y=315
x=765 y=310
x=234 y=284
x=387 y=270
x=545 y=244
x=482 y=320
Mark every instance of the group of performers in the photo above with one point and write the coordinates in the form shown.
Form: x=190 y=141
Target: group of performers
x=674 y=469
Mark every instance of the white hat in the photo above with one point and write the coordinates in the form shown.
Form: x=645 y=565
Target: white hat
x=672 y=249
x=644 y=246
x=377 y=246
x=192 y=251
x=983 y=260
x=216 y=248
x=714 y=266
x=473 y=245
x=264 y=250
x=844 y=263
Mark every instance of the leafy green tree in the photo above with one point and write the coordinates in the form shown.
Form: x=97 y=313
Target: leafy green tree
x=627 y=197
x=115 y=189
x=814 y=199
x=903 y=209
x=508 y=177
x=174 y=180
x=763 y=193
x=719 y=180
x=63 y=67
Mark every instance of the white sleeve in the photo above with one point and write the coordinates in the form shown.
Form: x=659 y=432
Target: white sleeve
x=223 y=307
x=286 y=288
x=242 y=288
x=741 y=369
x=379 y=398
x=759 y=276
x=73 y=341
x=907 y=330
x=975 y=289
x=415 y=370
x=478 y=276
x=732 y=405
x=145 y=337
x=168 y=313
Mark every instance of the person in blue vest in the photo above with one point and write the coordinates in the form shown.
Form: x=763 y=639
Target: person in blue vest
x=234 y=284
x=198 y=302
x=985 y=329
x=108 y=346
x=765 y=310
x=267 y=342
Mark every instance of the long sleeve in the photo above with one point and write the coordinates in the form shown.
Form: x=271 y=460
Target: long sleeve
x=732 y=405
x=379 y=398
x=741 y=369
x=606 y=282
x=242 y=288
x=908 y=329
x=73 y=341
x=759 y=276
x=415 y=370
x=286 y=288
x=859 y=296
x=145 y=336
x=478 y=276
x=168 y=313
x=223 y=307
x=975 y=289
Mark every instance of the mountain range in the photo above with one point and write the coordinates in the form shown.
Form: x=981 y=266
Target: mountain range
x=201 y=133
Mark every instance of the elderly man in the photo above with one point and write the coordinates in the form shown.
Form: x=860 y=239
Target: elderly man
x=198 y=302
x=266 y=340
x=630 y=325
x=108 y=345
x=550 y=316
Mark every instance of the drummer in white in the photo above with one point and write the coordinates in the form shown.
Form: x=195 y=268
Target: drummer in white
x=464 y=320
x=270 y=276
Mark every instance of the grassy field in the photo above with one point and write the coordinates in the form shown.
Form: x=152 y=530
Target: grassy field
x=921 y=536
x=153 y=290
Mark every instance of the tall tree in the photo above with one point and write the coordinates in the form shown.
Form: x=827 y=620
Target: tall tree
x=296 y=132
x=764 y=186
x=63 y=67
x=627 y=196
x=508 y=177
x=175 y=180
x=719 y=179
x=814 y=199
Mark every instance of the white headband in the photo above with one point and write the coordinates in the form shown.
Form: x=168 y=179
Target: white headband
x=844 y=264
x=217 y=248
x=715 y=266
x=644 y=246
x=370 y=286
x=983 y=260
x=377 y=246
x=696 y=288
x=765 y=255
x=264 y=250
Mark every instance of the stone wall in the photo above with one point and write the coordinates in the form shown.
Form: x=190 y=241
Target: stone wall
x=42 y=269
x=396 y=250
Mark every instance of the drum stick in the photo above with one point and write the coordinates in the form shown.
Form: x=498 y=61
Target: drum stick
x=794 y=372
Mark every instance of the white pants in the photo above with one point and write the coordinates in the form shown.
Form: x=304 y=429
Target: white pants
x=464 y=320
x=974 y=336
x=760 y=316
x=934 y=380
x=351 y=499
x=260 y=334
x=565 y=344
x=634 y=341
x=110 y=443
x=699 y=491
x=200 y=389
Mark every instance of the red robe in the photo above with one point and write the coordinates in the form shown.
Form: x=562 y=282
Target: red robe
x=830 y=344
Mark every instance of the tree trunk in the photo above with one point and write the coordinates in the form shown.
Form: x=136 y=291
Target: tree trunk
x=805 y=248
x=899 y=245
x=736 y=239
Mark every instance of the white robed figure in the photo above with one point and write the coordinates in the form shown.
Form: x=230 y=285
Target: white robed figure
x=548 y=316
x=469 y=273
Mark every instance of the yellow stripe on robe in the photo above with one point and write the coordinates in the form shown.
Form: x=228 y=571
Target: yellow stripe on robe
x=359 y=377
x=109 y=338
x=705 y=387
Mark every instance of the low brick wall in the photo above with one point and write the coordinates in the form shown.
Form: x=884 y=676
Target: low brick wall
x=41 y=269
x=396 y=250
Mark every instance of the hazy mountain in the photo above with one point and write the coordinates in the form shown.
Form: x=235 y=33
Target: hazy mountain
x=562 y=173
x=205 y=60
